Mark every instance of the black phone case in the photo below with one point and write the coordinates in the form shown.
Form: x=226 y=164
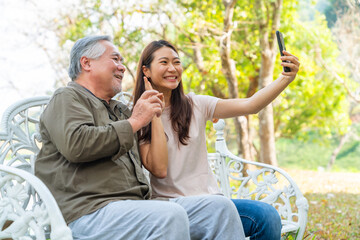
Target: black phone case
x=281 y=44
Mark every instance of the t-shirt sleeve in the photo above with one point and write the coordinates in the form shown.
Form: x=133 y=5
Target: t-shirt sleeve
x=206 y=104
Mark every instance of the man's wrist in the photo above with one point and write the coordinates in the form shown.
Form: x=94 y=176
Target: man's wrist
x=136 y=126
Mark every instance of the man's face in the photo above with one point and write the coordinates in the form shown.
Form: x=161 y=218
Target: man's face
x=108 y=70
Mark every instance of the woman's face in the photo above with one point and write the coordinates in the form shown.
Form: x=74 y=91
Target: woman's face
x=165 y=70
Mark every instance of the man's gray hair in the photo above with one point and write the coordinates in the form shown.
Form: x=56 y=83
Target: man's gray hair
x=90 y=47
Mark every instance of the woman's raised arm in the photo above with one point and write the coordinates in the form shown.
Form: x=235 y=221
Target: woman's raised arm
x=226 y=108
x=154 y=155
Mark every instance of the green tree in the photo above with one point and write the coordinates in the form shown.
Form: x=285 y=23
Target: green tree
x=254 y=34
x=335 y=9
x=347 y=34
x=228 y=49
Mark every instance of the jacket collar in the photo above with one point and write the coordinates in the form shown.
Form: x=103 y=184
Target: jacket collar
x=113 y=103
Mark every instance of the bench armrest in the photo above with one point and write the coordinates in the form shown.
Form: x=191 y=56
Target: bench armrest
x=244 y=179
x=29 y=206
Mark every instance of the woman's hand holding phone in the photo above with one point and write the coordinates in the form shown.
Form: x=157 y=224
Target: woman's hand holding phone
x=289 y=62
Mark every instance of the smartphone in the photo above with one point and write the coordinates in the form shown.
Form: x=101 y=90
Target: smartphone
x=281 y=43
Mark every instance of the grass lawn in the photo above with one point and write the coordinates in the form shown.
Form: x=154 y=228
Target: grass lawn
x=333 y=216
x=334 y=203
x=334 y=196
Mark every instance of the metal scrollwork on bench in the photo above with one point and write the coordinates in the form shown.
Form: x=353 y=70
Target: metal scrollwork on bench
x=261 y=182
x=27 y=208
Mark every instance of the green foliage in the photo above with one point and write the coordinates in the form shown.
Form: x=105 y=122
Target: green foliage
x=333 y=9
x=78 y=29
x=315 y=153
x=124 y=22
x=310 y=102
x=314 y=101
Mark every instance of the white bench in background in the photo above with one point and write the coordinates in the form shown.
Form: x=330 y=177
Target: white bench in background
x=32 y=212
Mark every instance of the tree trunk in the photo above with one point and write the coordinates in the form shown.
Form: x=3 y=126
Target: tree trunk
x=267 y=26
x=336 y=151
x=253 y=86
x=244 y=140
x=266 y=117
x=199 y=61
x=228 y=69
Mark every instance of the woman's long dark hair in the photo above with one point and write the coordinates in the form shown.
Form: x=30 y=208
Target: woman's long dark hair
x=181 y=106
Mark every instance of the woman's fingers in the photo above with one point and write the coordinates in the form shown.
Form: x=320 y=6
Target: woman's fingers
x=157 y=97
x=147 y=84
x=290 y=61
x=289 y=57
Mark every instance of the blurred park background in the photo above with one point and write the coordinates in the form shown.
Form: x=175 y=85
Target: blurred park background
x=228 y=49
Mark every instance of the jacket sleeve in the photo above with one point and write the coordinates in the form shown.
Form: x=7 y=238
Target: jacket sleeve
x=71 y=127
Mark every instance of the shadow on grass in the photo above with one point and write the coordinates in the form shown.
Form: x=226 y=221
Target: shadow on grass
x=352 y=148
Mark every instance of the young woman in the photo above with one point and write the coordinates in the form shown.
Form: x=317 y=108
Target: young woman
x=181 y=168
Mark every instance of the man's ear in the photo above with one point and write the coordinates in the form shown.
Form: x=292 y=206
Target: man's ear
x=146 y=71
x=85 y=63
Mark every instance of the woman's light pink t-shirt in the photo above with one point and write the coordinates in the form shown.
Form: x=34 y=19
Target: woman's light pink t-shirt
x=188 y=169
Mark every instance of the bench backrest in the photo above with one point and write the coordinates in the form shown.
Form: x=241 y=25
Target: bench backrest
x=19 y=132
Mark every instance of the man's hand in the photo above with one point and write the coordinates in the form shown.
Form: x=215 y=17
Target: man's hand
x=150 y=104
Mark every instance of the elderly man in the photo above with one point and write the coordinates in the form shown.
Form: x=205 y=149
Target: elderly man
x=91 y=164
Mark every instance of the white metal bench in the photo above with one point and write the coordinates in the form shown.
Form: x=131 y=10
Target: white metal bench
x=32 y=212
